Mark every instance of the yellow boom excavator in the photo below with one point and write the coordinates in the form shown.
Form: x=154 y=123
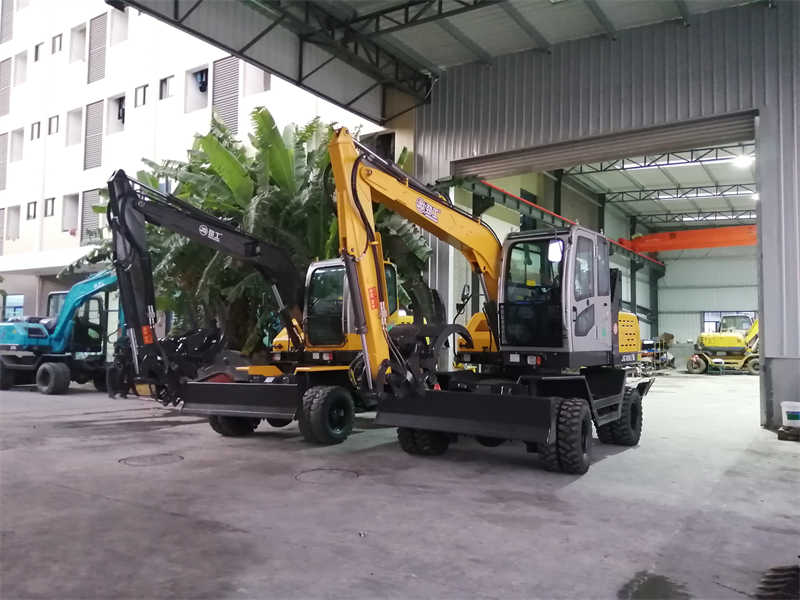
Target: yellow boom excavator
x=553 y=305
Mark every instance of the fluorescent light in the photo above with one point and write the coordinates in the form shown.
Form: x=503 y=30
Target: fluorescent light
x=756 y=197
x=743 y=161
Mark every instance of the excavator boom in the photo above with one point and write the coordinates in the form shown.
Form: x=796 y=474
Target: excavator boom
x=132 y=203
x=362 y=178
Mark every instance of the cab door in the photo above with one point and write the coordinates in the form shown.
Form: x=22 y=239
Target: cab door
x=589 y=312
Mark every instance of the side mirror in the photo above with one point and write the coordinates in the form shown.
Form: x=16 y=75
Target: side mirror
x=555 y=251
x=465 y=293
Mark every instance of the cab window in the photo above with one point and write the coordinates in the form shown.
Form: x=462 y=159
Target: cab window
x=584 y=269
x=391 y=288
x=529 y=272
x=325 y=305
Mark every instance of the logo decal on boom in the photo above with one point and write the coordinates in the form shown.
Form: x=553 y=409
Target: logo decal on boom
x=205 y=231
x=428 y=210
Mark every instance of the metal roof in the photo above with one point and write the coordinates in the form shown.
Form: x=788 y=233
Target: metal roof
x=701 y=186
x=350 y=52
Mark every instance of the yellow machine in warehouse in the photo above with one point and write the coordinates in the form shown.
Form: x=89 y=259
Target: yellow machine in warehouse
x=564 y=316
x=733 y=347
x=553 y=304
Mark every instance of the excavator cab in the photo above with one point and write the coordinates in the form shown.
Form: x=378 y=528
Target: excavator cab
x=555 y=304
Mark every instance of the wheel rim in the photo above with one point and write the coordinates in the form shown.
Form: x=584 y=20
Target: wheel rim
x=337 y=417
x=45 y=377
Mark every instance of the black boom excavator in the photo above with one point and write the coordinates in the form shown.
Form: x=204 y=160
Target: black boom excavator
x=167 y=364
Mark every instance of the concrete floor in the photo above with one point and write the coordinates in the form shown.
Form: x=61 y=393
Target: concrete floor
x=701 y=508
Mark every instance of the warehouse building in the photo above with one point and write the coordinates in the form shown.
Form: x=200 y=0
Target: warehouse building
x=669 y=128
x=506 y=89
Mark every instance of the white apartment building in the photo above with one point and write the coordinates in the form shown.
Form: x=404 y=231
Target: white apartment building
x=86 y=89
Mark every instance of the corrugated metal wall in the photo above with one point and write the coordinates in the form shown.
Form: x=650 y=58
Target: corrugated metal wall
x=5 y=87
x=727 y=61
x=89 y=220
x=225 y=97
x=6 y=20
x=97 y=48
x=93 y=138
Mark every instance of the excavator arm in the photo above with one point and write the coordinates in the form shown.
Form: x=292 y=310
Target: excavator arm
x=362 y=178
x=132 y=203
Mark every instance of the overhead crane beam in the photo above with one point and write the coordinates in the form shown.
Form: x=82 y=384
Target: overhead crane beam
x=693 y=239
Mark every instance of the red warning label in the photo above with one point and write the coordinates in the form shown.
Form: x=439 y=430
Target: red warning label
x=373 y=298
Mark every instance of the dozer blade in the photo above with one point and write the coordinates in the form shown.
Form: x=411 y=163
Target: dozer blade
x=506 y=416
x=262 y=400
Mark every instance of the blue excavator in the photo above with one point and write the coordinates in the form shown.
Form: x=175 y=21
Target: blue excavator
x=69 y=344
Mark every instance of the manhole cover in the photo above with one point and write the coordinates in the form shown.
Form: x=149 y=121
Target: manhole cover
x=325 y=475
x=151 y=460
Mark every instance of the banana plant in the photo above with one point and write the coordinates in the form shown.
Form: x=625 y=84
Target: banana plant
x=277 y=188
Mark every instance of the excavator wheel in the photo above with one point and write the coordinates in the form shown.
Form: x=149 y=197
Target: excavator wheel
x=52 y=378
x=329 y=412
x=696 y=366
x=627 y=430
x=6 y=377
x=422 y=442
x=233 y=426
x=571 y=451
x=278 y=422
x=407 y=439
x=753 y=366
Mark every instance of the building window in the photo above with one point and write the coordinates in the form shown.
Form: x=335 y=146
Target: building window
x=20 y=67
x=52 y=125
x=69 y=213
x=116 y=115
x=140 y=96
x=13 y=305
x=36 y=130
x=12 y=223
x=31 y=214
x=119 y=26
x=74 y=118
x=196 y=90
x=255 y=80
x=49 y=207
x=165 y=87
x=77 y=43
x=37 y=51
x=17 y=140
x=55 y=44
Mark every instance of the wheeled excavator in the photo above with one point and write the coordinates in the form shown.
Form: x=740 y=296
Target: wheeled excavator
x=550 y=346
x=168 y=364
x=552 y=312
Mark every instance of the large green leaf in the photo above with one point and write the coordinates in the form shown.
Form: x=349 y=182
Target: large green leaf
x=228 y=167
x=269 y=143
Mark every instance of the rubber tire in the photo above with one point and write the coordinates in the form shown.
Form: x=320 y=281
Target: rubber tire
x=407 y=439
x=690 y=368
x=604 y=434
x=66 y=377
x=318 y=401
x=627 y=431
x=6 y=377
x=422 y=442
x=51 y=378
x=573 y=437
x=233 y=426
x=278 y=422
x=489 y=442
x=753 y=370
x=99 y=381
